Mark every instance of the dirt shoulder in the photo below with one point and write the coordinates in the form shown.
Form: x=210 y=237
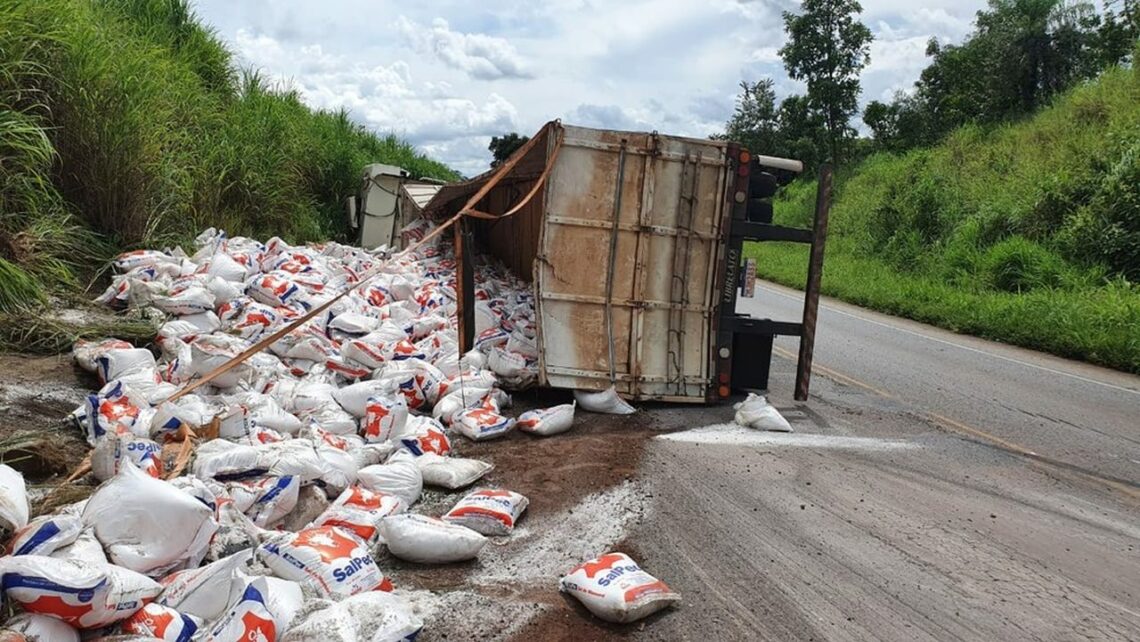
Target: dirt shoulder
x=36 y=395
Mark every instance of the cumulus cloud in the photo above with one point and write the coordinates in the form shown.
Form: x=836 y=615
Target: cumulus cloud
x=384 y=97
x=478 y=55
x=492 y=68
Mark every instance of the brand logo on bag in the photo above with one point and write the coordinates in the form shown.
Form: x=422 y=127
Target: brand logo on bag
x=353 y=567
x=328 y=543
x=607 y=563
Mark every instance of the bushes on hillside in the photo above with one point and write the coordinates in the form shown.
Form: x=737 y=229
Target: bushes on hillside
x=1026 y=232
x=125 y=123
x=1108 y=228
x=1045 y=202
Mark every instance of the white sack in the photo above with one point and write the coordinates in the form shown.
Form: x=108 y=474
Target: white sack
x=606 y=402
x=148 y=525
x=13 y=499
x=614 y=588
x=755 y=412
x=428 y=540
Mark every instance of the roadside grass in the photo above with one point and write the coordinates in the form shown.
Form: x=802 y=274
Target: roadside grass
x=126 y=123
x=1096 y=324
x=1027 y=233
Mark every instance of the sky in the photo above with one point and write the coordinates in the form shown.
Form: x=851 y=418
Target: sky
x=447 y=75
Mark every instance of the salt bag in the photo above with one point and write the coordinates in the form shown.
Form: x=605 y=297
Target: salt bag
x=481 y=423
x=383 y=418
x=83 y=594
x=85 y=548
x=489 y=512
x=148 y=525
x=163 y=623
x=204 y=592
x=330 y=560
x=425 y=435
x=400 y=477
x=547 y=421
x=354 y=398
x=360 y=510
x=265 y=500
x=109 y=452
x=451 y=472
x=755 y=412
x=605 y=402
x=13 y=499
x=428 y=540
x=45 y=535
x=614 y=588
x=248 y=619
x=41 y=628
x=262 y=608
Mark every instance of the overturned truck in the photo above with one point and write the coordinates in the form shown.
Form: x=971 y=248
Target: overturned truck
x=633 y=243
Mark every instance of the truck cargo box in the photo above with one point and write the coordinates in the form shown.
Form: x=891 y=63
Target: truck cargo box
x=623 y=237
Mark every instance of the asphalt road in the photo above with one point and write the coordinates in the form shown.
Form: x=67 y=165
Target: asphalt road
x=937 y=487
x=1071 y=413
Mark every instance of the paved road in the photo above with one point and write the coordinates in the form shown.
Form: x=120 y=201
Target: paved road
x=937 y=487
x=1067 y=412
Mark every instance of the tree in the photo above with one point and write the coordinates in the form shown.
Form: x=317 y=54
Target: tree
x=755 y=121
x=898 y=125
x=802 y=131
x=883 y=121
x=502 y=147
x=1021 y=54
x=794 y=129
x=828 y=48
x=1118 y=31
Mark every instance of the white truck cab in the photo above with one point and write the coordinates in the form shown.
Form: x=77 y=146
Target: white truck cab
x=389 y=198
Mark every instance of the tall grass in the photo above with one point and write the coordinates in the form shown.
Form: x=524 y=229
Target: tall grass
x=1027 y=232
x=125 y=123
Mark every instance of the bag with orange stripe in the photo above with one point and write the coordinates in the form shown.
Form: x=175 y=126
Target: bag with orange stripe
x=614 y=588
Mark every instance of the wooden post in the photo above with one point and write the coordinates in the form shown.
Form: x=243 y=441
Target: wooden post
x=465 y=285
x=814 y=276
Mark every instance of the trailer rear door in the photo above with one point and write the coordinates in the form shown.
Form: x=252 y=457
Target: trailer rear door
x=625 y=273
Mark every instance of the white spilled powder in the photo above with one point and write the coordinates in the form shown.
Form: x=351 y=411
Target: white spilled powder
x=543 y=549
x=466 y=615
x=734 y=435
x=517 y=576
x=47 y=392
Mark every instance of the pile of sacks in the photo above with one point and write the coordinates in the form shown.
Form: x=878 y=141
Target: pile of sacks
x=308 y=458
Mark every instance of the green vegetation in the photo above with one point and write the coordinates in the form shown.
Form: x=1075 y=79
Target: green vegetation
x=1021 y=55
x=827 y=48
x=125 y=123
x=501 y=147
x=1025 y=232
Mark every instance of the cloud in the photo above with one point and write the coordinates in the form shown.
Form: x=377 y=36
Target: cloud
x=770 y=55
x=478 y=55
x=383 y=97
x=895 y=65
x=492 y=68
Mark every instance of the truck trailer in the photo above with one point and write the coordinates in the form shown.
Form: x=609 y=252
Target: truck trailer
x=633 y=245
